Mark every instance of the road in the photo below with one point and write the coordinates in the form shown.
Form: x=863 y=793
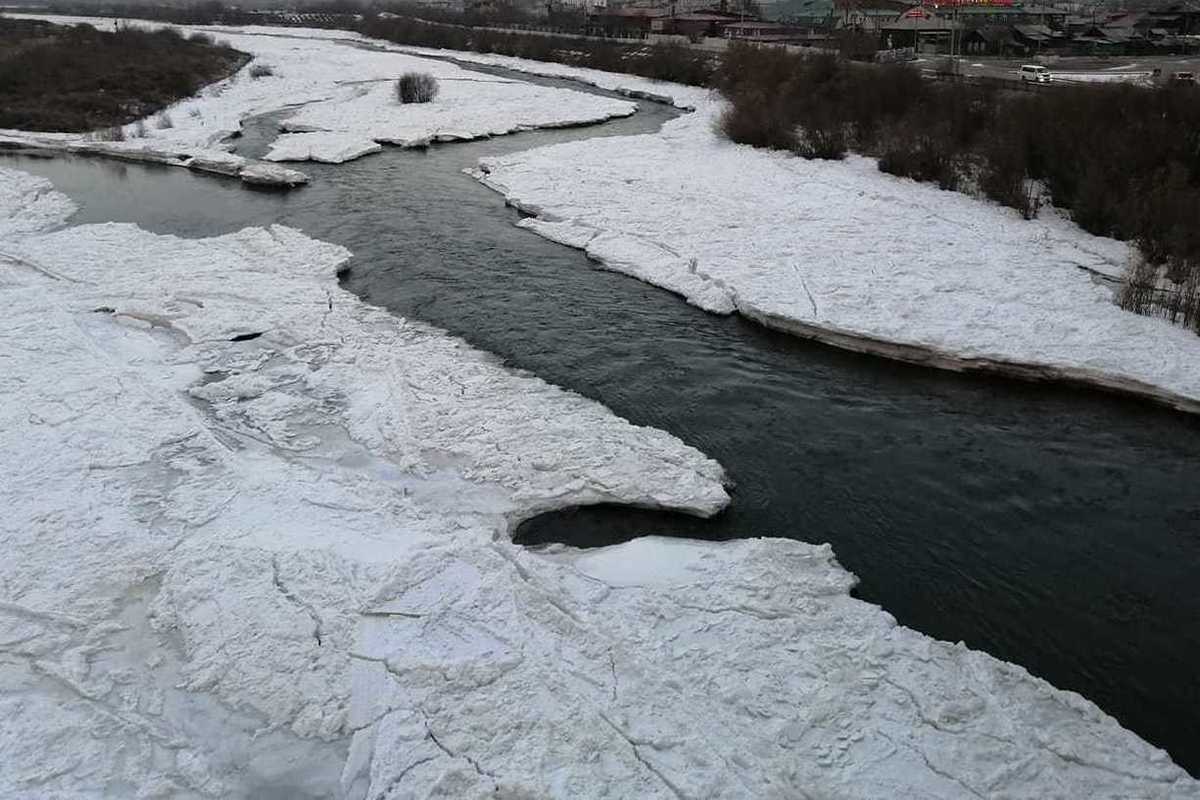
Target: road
x=1073 y=68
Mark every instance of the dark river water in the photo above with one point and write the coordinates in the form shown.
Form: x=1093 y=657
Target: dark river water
x=1052 y=527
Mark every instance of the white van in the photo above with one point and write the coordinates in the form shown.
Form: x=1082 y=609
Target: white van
x=1035 y=73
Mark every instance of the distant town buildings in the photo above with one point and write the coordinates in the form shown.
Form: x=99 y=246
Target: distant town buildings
x=981 y=27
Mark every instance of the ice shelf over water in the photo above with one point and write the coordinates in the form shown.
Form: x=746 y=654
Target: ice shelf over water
x=256 y=540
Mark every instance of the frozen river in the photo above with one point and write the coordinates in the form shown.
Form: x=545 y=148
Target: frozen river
x=1055 y=528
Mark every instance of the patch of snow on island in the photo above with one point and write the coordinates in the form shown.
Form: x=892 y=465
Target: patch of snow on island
x=468 y=106
x=256 y=545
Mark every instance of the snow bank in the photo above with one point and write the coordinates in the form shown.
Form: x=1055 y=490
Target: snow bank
x=256 y=545
x=840 y=252
x=1144 y=78
x=346 y=101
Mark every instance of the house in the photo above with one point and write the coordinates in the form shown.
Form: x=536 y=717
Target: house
x=920 y=29
x=992 y=40
x=628 y=22
x=695 y=24
x=1036 y=38
x=1178 y=19
x=975 y=15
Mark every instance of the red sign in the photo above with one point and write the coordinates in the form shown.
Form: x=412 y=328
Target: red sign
x=962 y=3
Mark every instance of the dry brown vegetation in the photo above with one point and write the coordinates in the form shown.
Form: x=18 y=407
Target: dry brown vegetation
x=56 y=78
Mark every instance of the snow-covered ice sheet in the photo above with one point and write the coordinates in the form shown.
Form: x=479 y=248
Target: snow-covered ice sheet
x=195 y=516
x=256 y=544
x=345 y=99
x=468 y=106
x=676 y=669
x=841 y=252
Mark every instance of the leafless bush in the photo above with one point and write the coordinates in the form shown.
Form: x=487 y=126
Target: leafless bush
x=822 y=135
x=163 y=121
x=1170 y=291
x=261 y=71
x=759 y=121
x=139 y=129
x=113 y=134
x=416 y=87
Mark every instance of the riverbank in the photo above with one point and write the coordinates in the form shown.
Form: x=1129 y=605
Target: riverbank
x=297 y=511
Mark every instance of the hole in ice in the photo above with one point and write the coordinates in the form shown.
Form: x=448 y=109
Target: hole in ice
x=608 y=523
x=245 y=337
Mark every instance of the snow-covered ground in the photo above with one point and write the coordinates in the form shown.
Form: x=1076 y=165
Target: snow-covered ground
x=257 y=544
x=345 y=100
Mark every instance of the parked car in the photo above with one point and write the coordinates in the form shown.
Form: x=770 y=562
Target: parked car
x=1183 y=79
x=1035 y=73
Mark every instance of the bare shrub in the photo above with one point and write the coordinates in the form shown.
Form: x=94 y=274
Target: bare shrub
x=821 y=134
x=163 y=121
x=760 y=121
x=1171 y=291
x=1139 y=286
x=675 y=62
x=113 y=134
x=416 y=87
x=139 y=129
x=924 y=152
x=261 y=71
